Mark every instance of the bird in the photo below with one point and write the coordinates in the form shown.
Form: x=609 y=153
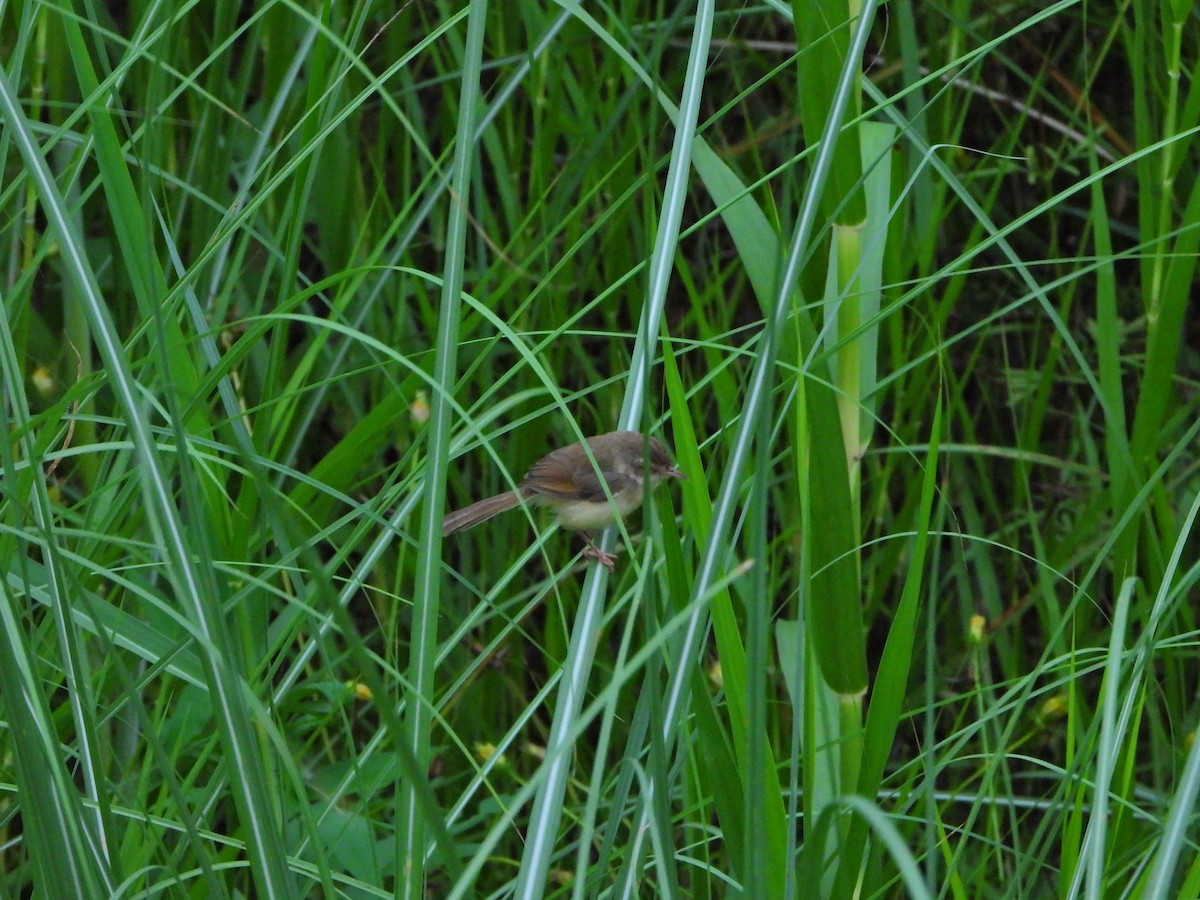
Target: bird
x=567 y=481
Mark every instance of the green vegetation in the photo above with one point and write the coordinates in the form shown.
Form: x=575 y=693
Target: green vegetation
x=908 y=294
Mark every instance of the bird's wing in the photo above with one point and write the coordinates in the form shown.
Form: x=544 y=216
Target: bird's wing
x=559 y=476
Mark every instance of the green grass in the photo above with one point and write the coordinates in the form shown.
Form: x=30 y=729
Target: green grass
x=914 y=305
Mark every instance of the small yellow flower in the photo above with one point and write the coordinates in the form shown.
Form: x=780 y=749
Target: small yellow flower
x=419 y=408
x=715 y=675
x=42 y=380
x=485 y=750
x=1053 y=708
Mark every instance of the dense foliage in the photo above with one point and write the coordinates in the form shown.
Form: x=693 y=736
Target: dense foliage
x=911 y=296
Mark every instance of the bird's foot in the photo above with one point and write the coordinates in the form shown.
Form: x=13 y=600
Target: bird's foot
x=606 y=559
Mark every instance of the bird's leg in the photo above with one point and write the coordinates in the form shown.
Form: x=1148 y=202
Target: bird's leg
x=608 y=560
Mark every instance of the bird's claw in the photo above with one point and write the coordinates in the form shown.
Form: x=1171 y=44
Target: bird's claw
x=606 y=559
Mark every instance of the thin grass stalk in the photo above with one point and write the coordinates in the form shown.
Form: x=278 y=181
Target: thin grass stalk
x=70 y=843
x=1090 y=875
x=1176 y=832
x=77 y=673
x=1169 y=65
x=757 y=399
x=1175 y=828
x=76 y=669
x=195 y=586
x=853 y=297
x=763 y=865
x=411 y=831
x=65 y=853
x=547 y=809
x=1154 y=71
x=758 y=254
x=885 y=712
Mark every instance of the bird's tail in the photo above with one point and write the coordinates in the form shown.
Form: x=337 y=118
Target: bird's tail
x=480 y=511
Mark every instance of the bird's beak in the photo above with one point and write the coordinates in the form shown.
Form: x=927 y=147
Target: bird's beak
x=674 y=472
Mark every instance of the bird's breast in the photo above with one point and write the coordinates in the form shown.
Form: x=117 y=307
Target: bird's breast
x=592 y=515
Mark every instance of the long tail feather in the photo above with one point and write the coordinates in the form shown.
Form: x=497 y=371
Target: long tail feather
x=480 y=511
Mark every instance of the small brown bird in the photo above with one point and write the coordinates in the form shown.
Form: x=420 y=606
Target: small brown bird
x=567 y=482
